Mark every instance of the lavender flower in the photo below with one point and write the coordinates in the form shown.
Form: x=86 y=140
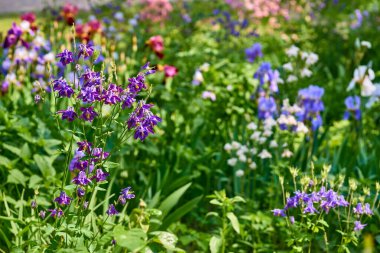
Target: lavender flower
x=112 y=210
x=84 y=146
x=81 y=179
x=311 y=105
x=56 y=213
x=352 y=106
x=253 y=52
x=125 y=194
x=66 y=57
x=358 y=226
x=68 y=114
x=86 y=51
x=262 y=73
x=267 y=107
x=80 y=192
x=279 y=212
x=88 y=114
x=42 y=214
x=63 y=199
x=100 y=176
x=64 y=90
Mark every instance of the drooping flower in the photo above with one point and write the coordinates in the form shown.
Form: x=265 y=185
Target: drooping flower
x=279 y=212
x=170 y=71
x=126 y=194
x=100 y=175
x=56 y=213
x=254 y=52
x=363 y=76
x=359 y=226
x=63 y=199
x=13 y=36
x=267 y=107
x=112 y=210
x=63 y=88
x=68 y=114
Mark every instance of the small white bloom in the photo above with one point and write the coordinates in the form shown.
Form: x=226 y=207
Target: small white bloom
x=25 y=26
x=291 y=79
x=305 y=72
x=252 y=166
x=119 y=16
x=50 y=57
x=40 y=69
x=197 y=78
x=292 y=51
x=229 y=88
x=301 y=128
x=253 y=151
x=205 y=67
x=311 y=59
x=304 y=55
x=232 y=161
x=239 y=173
x=39 y=41
x=273 y=144
x=287 y=153
x=288 y=66
x=366 y=44
x=243 y=148
x=209 y=94
x=256 y=135
x=235 y=145
x=228 y=147
x=267 y=133
x=364 y=76
x=269 y=123
x=242 y=158
x=252 y=126
x=262 y=140
x=33 y=55
x=264 y=154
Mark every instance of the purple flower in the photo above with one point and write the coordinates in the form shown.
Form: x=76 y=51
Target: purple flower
x=310 y=208
x=56 y=213
x=143 y=121
x=311 y=105
x=352 y=106
x=367 y=209
x=136 y=84
x=63 y=199
x=85 y=50
x=42 y=214
x=88 y=114
x=100 y=176
x=359 y=209
x=90 y=94
x=262 y=73
x=358 y=21
x=112 y=95
x=13 y=36
x=91 y=78
x=99 y=153
x=84 y=146
x=359 y=226
x=128 y=100
x=68 y=114
x=80 y=192
x=33 y=204
x=279 y=212
x=253 y=52
x=81 y=179
x=66 y=57
x=64 y=90
x=125 y=194
x=112 y=210
x=267 y=107
x=291 y=218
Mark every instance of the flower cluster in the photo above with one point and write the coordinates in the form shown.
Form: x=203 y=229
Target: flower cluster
x=230 y=26
x=266 y=75
x=155 y=11
x=288 y=118
x=311 y=106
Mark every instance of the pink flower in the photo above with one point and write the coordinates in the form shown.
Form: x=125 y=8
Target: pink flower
x=69 y=12
x=156 y=43
x=170 y=71
x=155 y=10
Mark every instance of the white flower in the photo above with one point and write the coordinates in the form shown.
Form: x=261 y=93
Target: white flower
x=205 y=67
x=209 y=94
x=39 y=41
x=267 y=133
x=364 y=76
x=301 y=128
x=273 y=144
x=228 y=147
x=287 y=153
x=262 y=140
x=311 y=59
x=240 y=152
x=264 y=154
x=252 y=166
x=235 y=145
x=242 y=158
x=292 y=51
x=252 y=126
x=119 y=16
x=33 y=55
x=40 y=69
x=253 y=151
x=269 y=123
x=366 y=44
x=256 y=135
x=291 y=79
x=288 y=66
x=374 y=96
x=50 y=57
x=232 y=161
x=229 y=88
x=197 y=78
x=305 y=72
x=239 y=173
x=243 y=148
x=25 y=26
x=21 y=53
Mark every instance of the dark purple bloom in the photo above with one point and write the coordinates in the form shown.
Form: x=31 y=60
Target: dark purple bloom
x=81 y=179
x=88 y=114
x=84 y=146
x=63 y=199
x=91 y=78
x=143 y=120
x=112 y=95
x=66 y=57
x=100 y=175
x=279 y=212
x=56 y=213
x=85 y=50
x=127 y=193
x=90 y=94
x=352 y=106
x=112 y=210
x=99 y=153
x=136 y=84
x=262 y=73
x=68 y=114
x=80 y=192
x=64 y=90
x=128 y=99
x=13 y=36
x=358 y=226
x=33 y=204
x=311 y=105
x=76 y=162
x=253 y=52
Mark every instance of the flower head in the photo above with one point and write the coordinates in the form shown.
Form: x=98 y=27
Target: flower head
x=68 y=114
x=66 y=57
x=253 y=52
x=63 y=199
x=81 y=179
x=359 y=226
x=112 y=210
x=88 y=114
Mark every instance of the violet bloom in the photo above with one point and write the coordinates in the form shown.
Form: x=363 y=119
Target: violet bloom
x=253 y=52
x=56 y=213
x=352 y=106
x=76 y=162
x=68 y=114
x=64 y=90
x=359 y=19
x=367 y=209
x=81 y=179
x=80 y=192
x=128 y=100
x=63 y=199
x=33 y=204
x=84 y=146
x=143 y=121
x=358 y=226
x=13 y=36
x=359 y=209
x=88 y=114
x=267 y=107
x=111 y=96
x=262 y=73
x=42 y=214
x=209 y=95
x=99 y=153
x=86 y=51
x=136 y=84
x=279 y=212
x=311 y=104
x=127 y=193
x=100 y=176
x=66 y=57
x=292 y=220
x=112 y=210
x=310 y=208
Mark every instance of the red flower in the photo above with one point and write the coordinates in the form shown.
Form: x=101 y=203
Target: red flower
x=156 y=43
x=69 y=12
x=170 y=71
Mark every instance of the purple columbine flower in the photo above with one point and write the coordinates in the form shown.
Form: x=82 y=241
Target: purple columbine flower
x=99 y=153
x=279 y=212
x=86 y=51
x=359 y=209
x=125 y=194
x=359 y=19
x=112 y=210
x=13 y=36
x=367 y=209
x=63 y=199
x=292 y=220
x=84 y=146
x=111 y=96
x=91 y=78
x=310 y=208
x=128 y=100
x=352 y=106
x=68 y=114
x=81 y=179
x=136 y=84
x=253 y=52
x=66 y=57
x=42 y=214
x=56 y=213
x=100 y=175
x=80 y=192
x=64 y=90
x=88 y=114
x=358 y=226
x=142 y=120
x=33 y=204
x=90 y=94
x=267 y=107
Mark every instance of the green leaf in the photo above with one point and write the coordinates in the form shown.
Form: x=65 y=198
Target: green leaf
x=34 y=181
x=234 y=222
x=168 y=240
x=133 y=239
x=16 y=177
x=215 y=244
x=215 y=202
x=13 y=149
x=172 y=199
x=44 y=163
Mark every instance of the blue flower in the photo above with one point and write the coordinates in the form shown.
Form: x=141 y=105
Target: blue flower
x=352 y=106
x=253 y=52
